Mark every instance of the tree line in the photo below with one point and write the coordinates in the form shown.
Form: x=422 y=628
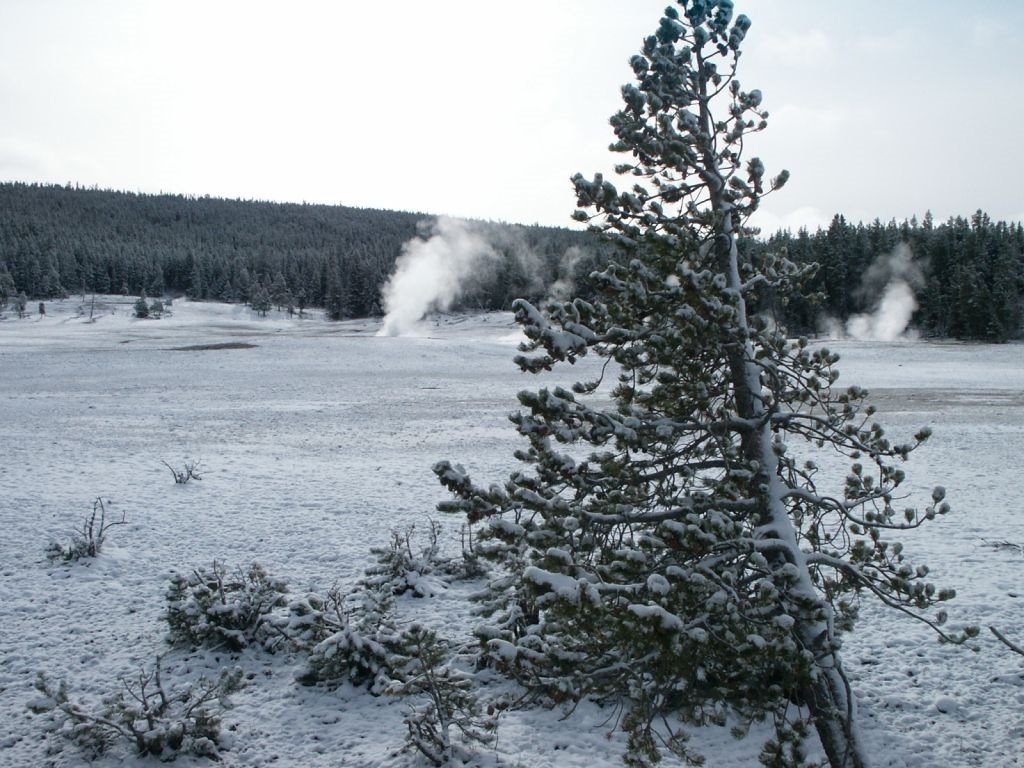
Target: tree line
x=57 y=241
x=967 y=273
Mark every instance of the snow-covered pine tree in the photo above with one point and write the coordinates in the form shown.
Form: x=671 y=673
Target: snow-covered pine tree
x=674 y=550
x=141 y=307
x=260 y=301
x=279 y=293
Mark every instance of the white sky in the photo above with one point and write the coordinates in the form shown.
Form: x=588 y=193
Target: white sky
x=880 y=108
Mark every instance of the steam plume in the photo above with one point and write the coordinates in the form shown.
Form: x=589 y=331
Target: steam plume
x=563 y=288
x=890 y=319
x=892 y=280
x=432 y=273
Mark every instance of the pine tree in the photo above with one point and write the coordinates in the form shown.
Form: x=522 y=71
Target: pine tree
x=197 y=285
x=7 y=288
x=279 y=293
x=100 y=279
x=156 y=286
x=334 y=293
x=260 y=301
x=681 y=555
x=142 y=306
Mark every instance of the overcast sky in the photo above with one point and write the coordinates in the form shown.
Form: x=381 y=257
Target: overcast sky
x=879 y=108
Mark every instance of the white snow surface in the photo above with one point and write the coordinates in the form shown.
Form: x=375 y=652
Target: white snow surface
x=318 y=441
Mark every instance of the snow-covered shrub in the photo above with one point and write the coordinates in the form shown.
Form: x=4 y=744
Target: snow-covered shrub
x=311 y=619
x=158 y=722
x=141 y=307
x=352 y=655
x=362 y=648
x=353 y=636
x=212 y=607
x=88 y=540
x=401 y=569
x=189 y=471
x=447 y=704
x=1006 y=546
x=471 y=565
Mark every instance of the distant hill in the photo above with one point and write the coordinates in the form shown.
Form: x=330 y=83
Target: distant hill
x=58 y=240
x=963 y=278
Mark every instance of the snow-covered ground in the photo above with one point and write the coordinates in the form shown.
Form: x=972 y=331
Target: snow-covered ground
x=317 y=441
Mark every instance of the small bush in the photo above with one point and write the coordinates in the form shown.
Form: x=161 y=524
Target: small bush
x=311 y=619
x=88 y=540
x=353 y=636
x=156 y=721
x=401 y=569
x=1006 y=546
x=142 y=307
x=361 y=644
x=213 y=608
x=189 y=471
x=356 y=639
x=471 y=565
x=448 y=704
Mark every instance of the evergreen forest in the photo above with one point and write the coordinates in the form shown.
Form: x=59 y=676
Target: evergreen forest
x=967 y=274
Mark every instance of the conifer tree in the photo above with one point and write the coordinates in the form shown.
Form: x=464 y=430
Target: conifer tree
x=677 y=550
x=142 y=306
x=334 y=299
x=196 y=286
x=7 y=288
x=260 y=301
x=279 y=293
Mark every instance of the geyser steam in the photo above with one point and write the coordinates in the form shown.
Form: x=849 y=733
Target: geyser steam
x=891 y=280
x=890 y=318
x=432 y=273
x=562 y=289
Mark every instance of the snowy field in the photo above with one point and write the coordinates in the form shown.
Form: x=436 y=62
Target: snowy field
x=317 y=441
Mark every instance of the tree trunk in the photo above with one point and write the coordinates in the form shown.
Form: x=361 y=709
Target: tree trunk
x=827 y=696
x=830 y=702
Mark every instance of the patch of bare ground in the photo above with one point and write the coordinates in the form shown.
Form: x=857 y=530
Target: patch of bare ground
x=222 y=345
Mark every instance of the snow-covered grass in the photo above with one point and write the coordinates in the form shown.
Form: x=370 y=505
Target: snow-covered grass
x=317 y=441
